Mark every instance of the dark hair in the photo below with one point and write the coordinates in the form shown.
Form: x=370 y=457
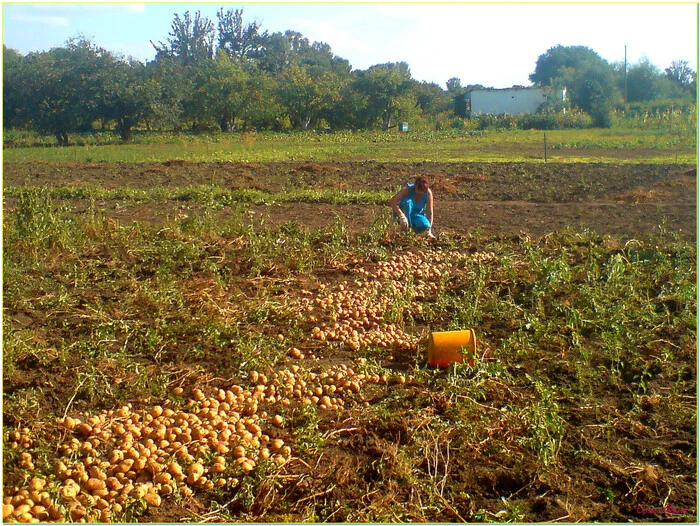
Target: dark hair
x=421 y=183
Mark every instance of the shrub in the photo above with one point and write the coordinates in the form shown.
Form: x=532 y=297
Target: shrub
x=555 y=120
x=602 y=113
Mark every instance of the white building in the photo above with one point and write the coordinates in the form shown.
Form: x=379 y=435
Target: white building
x=510 y=101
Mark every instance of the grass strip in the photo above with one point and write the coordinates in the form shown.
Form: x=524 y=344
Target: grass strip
x=207 y=195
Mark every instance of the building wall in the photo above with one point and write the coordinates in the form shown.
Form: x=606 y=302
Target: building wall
x=506 y=101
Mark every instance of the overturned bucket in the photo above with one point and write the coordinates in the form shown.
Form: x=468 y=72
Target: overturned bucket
x=452 y=346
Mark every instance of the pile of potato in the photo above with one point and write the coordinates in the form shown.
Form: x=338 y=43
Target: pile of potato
x=106 y=462
x=353 y=312
x=110 y=460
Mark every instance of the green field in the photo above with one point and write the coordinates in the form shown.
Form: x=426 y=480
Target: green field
x=618 y=145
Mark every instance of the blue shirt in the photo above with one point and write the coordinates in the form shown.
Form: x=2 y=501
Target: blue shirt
x=412 y=196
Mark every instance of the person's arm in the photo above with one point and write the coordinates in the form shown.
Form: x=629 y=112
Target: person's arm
x=394 y=201
x=429 y=211
x=394 y=204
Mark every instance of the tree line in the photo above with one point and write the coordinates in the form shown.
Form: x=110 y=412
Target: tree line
x=232 y=75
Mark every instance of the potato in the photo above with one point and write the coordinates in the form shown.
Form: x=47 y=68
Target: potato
x=153 y=499
x=195 y=471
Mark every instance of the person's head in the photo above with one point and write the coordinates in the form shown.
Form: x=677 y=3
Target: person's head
x=421 y=184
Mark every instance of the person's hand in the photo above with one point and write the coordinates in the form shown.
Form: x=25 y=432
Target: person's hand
x=403 y=221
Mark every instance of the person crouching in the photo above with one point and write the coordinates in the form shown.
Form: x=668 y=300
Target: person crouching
x=413 y=206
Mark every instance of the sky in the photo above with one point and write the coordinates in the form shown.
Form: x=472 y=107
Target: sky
x=495 y=44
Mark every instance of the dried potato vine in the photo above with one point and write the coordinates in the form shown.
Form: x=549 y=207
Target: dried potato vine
x=108 y=460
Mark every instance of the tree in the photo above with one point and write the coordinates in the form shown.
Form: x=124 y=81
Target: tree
x=681 y=73
x=171 y=87
x=276 y=53
x=196 y=105
x=66 y=87
x=454 y=85
x=458 y=96
x=308 y=93
x=643 y=81
x=280 y=51
x=385 y=89
x=240 y=41
x=191 y=40
x=550 y=65
x=261 y=108
x=430 y=97
x=588 y=78
x=188 y=52
x=593 y=96
x=320 y=55
x=128 y=96
x=226 y=90
x=14 y=89
x=682 y=76
x=350 y=110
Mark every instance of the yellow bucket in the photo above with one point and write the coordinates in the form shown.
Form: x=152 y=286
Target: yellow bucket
x=452 y=346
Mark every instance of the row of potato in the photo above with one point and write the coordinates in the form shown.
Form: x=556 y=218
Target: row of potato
x=107 y=462
x=353 y=312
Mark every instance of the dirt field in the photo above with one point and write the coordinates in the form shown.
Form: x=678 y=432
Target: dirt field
x=626 y=200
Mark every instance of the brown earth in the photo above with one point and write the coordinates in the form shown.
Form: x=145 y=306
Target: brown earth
x=623 y=200
x=627 y=200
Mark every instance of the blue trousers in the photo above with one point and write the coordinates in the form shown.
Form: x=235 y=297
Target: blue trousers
x=416 y=218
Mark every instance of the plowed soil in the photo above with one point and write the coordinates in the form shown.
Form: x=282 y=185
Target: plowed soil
x=626 y=200
x=622 y=200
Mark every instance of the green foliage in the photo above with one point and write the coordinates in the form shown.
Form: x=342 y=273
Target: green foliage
x=383 y=89
x=38 y=223
x=253 y=80
x=129 y=93
x=588 y=78
x=659 y=137
x=64 y=88
x=551 y=120
x=643 y=80
x=681 y=78
x=224 y=89
x=191 y=40
x=308 y=94
x=238 y=40
x=546 y=426
x=15 y=110
x=172 y=85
